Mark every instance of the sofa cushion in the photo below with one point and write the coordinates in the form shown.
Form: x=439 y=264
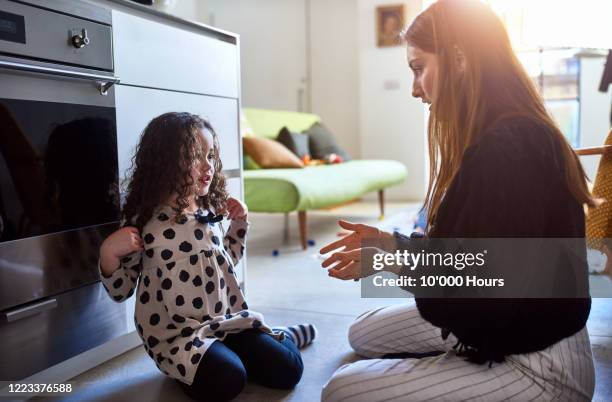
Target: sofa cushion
x=267 y=123
x=268 y=153
x=322 y=143
x=295 y=142
x=286 y=190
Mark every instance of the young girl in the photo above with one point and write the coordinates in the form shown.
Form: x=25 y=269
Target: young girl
x=191 y=313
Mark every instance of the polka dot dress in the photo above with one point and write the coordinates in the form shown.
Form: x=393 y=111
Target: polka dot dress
x=188 y=295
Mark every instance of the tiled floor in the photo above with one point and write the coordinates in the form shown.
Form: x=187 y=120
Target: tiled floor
x=292 y=288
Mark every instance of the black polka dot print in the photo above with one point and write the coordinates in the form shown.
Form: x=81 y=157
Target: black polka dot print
x=185 y=247
x=186 y=332
x=154 y=320
x=198 y=234
x=166 y=284
x=197 y=281
x=241 y=233
x=195 y=358
x=218 y=307
x=162 y=217
x=178 y=318
x=149 y=253
x=152 y=341
x=166 y=254
x=210 y=287
x=169 y=234
x=180 y=300
x=170 y=265
x=144 y=297
x=148 y=238
x=193 y=259
x=197 y=302
x=184 y=276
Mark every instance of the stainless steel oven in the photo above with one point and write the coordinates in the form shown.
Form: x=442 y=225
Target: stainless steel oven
x=58 y=160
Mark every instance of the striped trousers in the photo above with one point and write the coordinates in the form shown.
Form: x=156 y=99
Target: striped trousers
x=563 y=371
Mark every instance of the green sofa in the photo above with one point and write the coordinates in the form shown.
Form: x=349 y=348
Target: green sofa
x=313 y=187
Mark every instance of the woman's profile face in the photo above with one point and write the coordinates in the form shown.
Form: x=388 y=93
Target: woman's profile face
x=424 y=66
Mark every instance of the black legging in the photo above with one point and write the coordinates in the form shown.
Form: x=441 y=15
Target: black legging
x=223 y=370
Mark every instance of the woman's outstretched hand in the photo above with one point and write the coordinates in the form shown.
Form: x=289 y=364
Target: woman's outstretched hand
x=361 y=234
x=352 y=252
x=352 y=264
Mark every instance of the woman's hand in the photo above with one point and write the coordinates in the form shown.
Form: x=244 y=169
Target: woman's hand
x=352 y=264
x=119 y=244
x=360 y=234
x=235 y=209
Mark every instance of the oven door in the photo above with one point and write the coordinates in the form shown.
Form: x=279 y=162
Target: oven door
x=59 y=192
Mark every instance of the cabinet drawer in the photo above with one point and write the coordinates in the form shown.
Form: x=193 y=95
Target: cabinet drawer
x=82 y=319
x=152 y=54
x=137 y=106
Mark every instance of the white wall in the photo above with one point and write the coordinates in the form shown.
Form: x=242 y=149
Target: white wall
x=334 y=64
x=392 y=123
x=348 y=74
x=594 y=110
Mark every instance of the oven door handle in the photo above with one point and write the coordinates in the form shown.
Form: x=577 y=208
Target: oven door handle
x=103 y=82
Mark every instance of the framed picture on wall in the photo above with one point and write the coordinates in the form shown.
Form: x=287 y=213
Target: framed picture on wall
x=389 y=24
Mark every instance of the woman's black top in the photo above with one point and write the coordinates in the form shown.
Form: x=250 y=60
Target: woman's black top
x=511 y=184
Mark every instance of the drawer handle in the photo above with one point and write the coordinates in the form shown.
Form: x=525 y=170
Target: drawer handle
x=23 y=312
x=103 y=82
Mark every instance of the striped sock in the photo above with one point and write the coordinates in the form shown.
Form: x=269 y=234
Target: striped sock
x=301 y=334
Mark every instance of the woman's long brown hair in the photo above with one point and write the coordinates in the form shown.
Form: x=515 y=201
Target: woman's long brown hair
x=491 y=86
x=161 y=168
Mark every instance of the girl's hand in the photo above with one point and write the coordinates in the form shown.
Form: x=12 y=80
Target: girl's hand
x=119 y=244
x=236 y=209
x=360 y=233
x=352 y=264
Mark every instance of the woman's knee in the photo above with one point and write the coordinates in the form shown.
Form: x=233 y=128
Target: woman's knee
x=357 y=333
x=337 y=387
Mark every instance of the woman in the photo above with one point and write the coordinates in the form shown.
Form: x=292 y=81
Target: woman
x=499 y=168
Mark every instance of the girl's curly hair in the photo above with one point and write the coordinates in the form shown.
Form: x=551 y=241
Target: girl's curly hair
x=161 y=167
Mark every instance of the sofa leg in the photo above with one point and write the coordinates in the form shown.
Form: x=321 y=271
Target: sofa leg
x=286 y=228
x=303 y=229
x=381 y=204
